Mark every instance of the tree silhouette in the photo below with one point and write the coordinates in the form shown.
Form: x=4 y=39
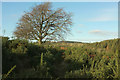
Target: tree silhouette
x=43 y=23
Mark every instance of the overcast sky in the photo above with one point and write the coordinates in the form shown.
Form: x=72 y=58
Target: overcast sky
x=92 y=21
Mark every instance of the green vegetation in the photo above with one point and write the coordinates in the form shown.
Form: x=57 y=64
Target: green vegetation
x=60 y=60
x=6 y=75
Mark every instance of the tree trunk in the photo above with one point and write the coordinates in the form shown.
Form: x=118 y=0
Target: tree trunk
x=40 y=41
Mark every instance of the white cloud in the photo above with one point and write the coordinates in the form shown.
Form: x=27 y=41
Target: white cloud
x=104 y=33
x=103 y=18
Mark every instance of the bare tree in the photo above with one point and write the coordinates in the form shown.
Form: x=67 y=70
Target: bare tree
x=43 y=23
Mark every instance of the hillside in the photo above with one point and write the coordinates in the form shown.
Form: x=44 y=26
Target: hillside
x=60 y=60
x=68 y=42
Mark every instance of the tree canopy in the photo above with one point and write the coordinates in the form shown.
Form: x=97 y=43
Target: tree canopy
x=43 y=23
